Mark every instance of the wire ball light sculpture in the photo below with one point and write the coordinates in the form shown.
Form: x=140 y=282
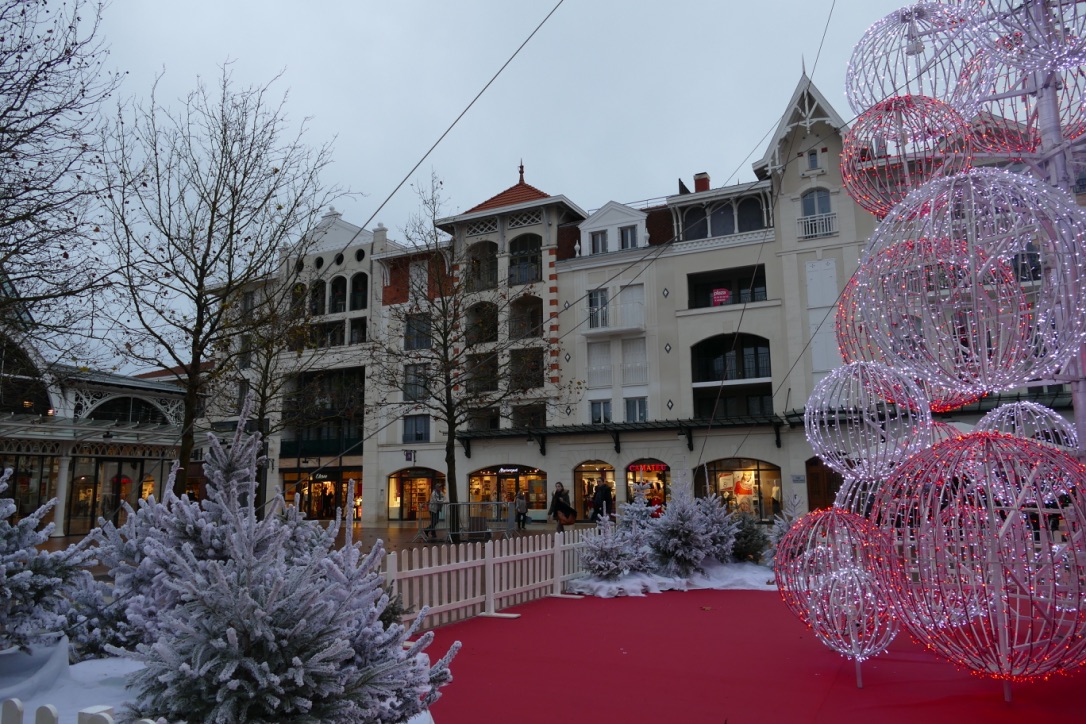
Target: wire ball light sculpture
x=897 y=145
x=1032 y=421
x=943 y=431
x=1034 y=35
x=824 y=571
x=854 y=345
x=972 y=282
x=863 y=419
x=919 y=50
x=1008 y=121
x=987 y=542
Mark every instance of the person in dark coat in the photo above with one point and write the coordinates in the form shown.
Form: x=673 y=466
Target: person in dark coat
x=603 y=503
x=560 y=504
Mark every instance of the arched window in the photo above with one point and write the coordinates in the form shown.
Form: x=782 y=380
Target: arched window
x=526 y=318
x=360 y=291
x=525 y=259
x=338 y=301
x=730 y=357
x=722 y=220
x=695 y=224
x=482 y=323
x=743 y=484
x=316 y=297
x=297 y=300
x=750 y=215
x=816 y=202
x=482 y=267
x=128 y=409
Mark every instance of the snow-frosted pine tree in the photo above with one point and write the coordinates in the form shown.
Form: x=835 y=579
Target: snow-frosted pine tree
x=34 y=584
x=679 y=539
x=720 y=526
x=634 y=521
x=265 y=629
x=609 y=554
x=751 y=539
x=782 y=523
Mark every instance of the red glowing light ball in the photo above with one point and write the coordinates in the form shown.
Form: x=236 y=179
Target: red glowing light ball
x=897 y=145
x=985 y=553
x=823 y=569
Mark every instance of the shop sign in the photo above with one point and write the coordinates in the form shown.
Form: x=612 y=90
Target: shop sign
x=721 y=297
x=509 y=470
x=320 y=476
x=647 y=468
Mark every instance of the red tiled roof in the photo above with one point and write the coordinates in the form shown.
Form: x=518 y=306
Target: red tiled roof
x=517 y=194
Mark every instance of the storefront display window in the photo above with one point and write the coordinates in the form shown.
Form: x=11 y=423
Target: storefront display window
x=409 y=492
x=585 y=478
x=502 y=483
x=656 y=474
x=32 y=483
x=322 y=493
x=746 y=485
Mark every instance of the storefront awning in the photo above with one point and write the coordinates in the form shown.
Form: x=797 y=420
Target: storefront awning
x=63 y=429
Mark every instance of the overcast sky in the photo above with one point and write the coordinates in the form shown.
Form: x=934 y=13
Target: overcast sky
x=609 y=101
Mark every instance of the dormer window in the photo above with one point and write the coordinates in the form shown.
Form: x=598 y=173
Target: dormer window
x=812 y=159
x=599 y=242
x=628 y=237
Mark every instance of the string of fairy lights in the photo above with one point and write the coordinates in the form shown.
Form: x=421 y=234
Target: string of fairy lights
x=971 y=284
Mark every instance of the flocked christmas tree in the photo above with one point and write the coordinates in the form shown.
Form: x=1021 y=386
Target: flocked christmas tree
x=34 y=584
x=609 y=554
x=635 y=519
x=262 y=620
x=720 y=527
x=680 y=539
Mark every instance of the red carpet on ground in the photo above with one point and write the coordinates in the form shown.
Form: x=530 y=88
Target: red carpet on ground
x=710 y=657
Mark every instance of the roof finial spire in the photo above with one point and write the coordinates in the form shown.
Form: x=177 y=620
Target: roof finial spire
x=522 y=170
x=803 y=64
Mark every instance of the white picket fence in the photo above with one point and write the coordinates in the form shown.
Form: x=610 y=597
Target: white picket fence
x=454 y=582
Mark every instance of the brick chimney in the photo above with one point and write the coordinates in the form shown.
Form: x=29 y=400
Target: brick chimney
x=701 y=182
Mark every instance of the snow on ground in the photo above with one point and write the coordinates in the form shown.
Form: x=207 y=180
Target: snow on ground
x=720 y=576
x=44 y=677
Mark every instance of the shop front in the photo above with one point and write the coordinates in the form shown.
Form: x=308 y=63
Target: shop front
x=409 y=492
x=33 y=481
x=654 y=473
x=100 y=485
x=502 y=483
x=746 y=485
x=319 y=494
x=586 y=477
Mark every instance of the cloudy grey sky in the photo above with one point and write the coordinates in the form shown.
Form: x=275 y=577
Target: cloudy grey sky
x=609 y=101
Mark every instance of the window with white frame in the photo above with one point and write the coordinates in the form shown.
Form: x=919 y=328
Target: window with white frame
x=601 y=411
x=599 y=242
x=599 y=364
x=637 y=409
x=632 y=301
x=628 y=237
x=816 y=202
x=635 y=365
x=597 y=308
x=415 y=382
x=416 y=428
x=812 y=159
x=417 y=279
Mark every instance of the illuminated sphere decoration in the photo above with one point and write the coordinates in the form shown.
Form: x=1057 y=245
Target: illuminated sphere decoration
x=986 y=549
x=1032 y=421
x=1007 y=121
x=919 y=50
x=864 y=418
x=855 y=346
x=897 y=145
x=824 y=571
x=942 y=431
x=855 y=495
x=972 y=283
x=1034 y=35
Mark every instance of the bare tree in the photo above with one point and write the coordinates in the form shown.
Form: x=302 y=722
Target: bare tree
x=455 y=347
x=205 y=199
x=52 y=84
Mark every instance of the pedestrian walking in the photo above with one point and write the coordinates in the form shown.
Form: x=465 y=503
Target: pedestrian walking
x=560 y=508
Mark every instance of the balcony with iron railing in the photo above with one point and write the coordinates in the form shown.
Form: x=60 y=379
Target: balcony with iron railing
x=612 y=318
x=599 y=376
x=635 y=373
x=817 y=225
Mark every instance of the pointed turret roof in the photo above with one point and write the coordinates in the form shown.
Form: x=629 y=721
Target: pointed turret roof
x=806 y=107
x=518 y=193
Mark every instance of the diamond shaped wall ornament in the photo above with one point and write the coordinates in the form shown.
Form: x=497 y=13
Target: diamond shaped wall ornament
x=567 y=306
x=667 y=347
x=568 y=357
x=666 y=293
x=569 y=410
x=670 y=404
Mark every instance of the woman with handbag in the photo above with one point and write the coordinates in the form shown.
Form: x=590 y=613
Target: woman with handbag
x=560 y=508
